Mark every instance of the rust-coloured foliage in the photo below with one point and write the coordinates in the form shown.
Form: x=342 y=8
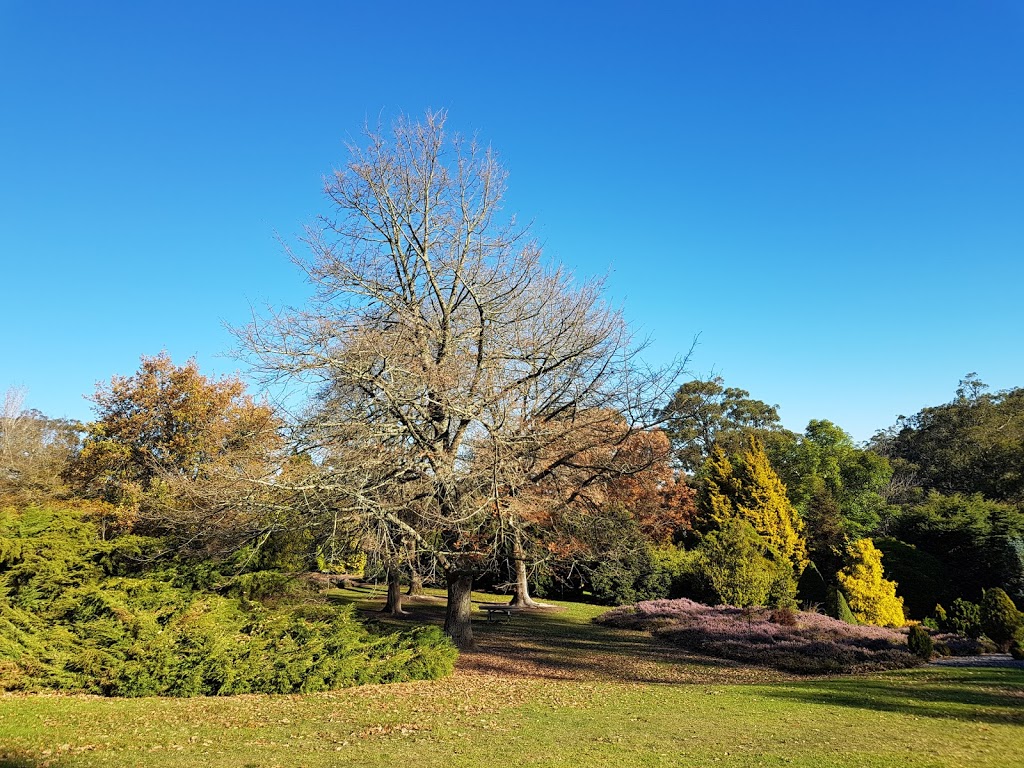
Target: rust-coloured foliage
x=168 y=423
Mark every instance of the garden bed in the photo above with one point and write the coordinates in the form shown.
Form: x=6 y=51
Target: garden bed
x=792 y=641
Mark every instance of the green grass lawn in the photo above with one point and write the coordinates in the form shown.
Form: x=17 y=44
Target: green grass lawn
x=548 y=689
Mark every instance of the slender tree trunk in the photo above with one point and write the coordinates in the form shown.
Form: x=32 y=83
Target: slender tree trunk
x=394 y=603
x=458 y=624
x=521 y=595
x=415 y=579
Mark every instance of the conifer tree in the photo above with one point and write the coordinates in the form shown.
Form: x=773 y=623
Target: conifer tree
x=718 y=492
x=751 y=495
x=764 y=504
x=871 y=596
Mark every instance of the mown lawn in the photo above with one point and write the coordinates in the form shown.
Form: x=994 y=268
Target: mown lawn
x=549 y=689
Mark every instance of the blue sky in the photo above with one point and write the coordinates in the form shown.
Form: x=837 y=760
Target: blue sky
x=830 y=194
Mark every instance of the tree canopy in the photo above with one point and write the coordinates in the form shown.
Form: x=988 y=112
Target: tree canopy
x=705 y=414
x=972 y=444
x=168 y=429
x=457 y=370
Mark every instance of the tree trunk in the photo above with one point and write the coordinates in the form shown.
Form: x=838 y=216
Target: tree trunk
x=415 y=579
x=521 y=595
x=458 y=624
x=415 y=584
x=394 y=603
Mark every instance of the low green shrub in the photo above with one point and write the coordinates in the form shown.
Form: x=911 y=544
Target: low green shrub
x=964 y=618
x=920 y=642
x=838 y=608
x=1000 y=619
x=649 y=573
x=66 y=623
x=1017 y=645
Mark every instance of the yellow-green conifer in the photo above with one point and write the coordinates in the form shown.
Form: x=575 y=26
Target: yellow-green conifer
x=716 y=500
x=871 y=596
x=764 y=504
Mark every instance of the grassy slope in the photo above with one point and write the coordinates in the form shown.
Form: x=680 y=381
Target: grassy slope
x=549 y=689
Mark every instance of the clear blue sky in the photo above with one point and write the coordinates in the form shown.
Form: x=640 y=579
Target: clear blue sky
x=830 y=194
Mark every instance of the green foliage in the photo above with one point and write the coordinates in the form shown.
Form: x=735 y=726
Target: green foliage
x=651 y=574
x=1000 y=619
x=977 y=539
x=763 y=502
x=704 y=415
x=872 y=597
x=739 y=572
x=1017 y=645
x=752 y=492
x=719 y=489
x=922 y=578
x=334 y=556
x=971 y=445
x=826 y=461
x=81 y=614
x=838 y=607
x=825 y=529
x=964 y=618
x=920 y=642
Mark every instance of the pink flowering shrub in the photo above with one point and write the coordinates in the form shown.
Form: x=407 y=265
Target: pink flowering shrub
x=812 y=643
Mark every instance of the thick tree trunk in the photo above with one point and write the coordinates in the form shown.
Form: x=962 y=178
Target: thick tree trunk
x=415 y=584
x=458 y=624
x=394 y=603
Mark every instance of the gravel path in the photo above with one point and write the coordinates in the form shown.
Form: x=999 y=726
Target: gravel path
x=985 y=660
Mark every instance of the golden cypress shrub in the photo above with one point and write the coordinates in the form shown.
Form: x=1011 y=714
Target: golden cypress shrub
x=871 y=596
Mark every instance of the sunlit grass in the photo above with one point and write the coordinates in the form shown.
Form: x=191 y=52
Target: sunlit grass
x=586 y=698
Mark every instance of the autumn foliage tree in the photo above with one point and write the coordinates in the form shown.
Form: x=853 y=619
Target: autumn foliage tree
x=662 y=503
x=618 y=501
x=165 y=431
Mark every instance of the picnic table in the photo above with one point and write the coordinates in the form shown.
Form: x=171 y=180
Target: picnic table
x=496 y=609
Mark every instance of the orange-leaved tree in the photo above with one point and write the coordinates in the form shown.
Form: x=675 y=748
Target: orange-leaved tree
x=169 y=428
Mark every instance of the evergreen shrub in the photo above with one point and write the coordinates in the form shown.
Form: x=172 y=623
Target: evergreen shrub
x=920 y=642
x=839 y=608
x=1000 y=619
x=79 y=614
x=964 y=618
x=1017 y=645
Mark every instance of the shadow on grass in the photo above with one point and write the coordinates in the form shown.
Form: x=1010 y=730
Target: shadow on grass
x=558 y=643
x=993 y=696
x=19 y=761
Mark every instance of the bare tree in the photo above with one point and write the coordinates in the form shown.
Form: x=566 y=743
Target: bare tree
x=458 y=373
